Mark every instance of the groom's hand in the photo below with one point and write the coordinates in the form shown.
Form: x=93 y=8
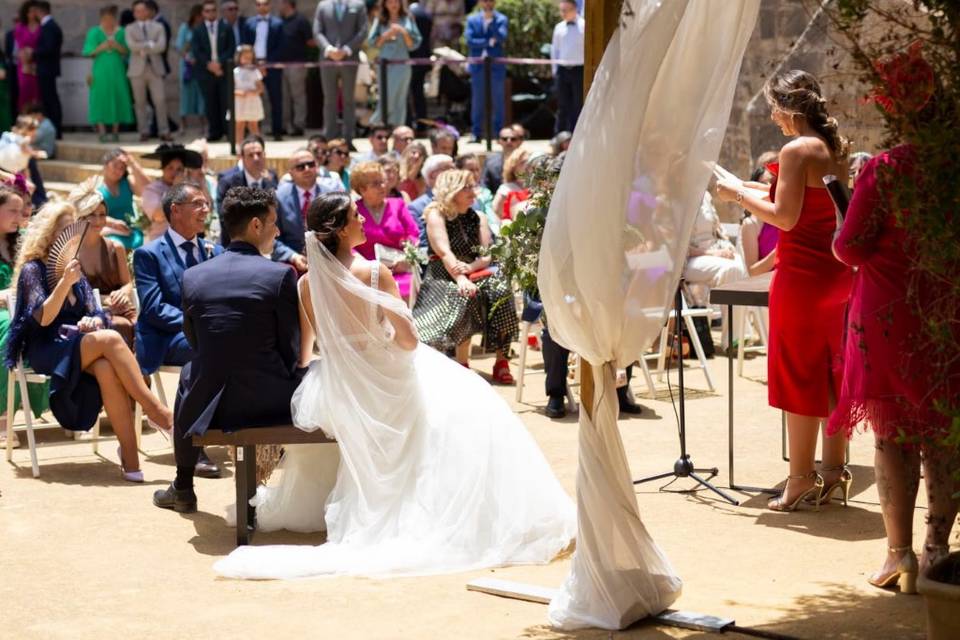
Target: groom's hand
x=299 y=263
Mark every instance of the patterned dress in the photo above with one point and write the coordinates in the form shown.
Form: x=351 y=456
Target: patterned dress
x=444 y=318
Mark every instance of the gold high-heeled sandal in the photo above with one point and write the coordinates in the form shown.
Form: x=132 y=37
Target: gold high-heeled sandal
x=843 y=484
x=815 y=492
x=905 y=574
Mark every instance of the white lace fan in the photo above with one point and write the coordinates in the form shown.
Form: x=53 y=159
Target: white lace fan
x=64 y=249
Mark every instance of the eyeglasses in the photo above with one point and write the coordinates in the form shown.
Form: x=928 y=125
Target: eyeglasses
x=200 y=203
x=508 y=139
x=377 y=183
x=382 y=137
x=303 y=166
x=407 y=139
x=339 y=152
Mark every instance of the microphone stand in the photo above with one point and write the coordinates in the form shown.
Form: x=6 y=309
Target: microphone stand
x=684 y=467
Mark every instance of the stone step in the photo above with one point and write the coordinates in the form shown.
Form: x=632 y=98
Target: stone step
x=60 y=189
x=75 y=172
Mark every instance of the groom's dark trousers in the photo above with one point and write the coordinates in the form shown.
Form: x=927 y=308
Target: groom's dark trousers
x=240 y=315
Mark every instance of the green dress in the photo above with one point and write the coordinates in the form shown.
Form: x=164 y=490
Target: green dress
x=39 y=393
x=110 y=101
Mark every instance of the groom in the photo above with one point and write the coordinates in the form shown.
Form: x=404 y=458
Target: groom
x=240 y=315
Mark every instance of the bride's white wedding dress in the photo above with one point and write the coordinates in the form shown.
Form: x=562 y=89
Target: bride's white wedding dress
x=436 y=474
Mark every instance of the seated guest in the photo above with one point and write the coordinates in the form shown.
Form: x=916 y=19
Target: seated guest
x=327 y=180
x=513 y=188
x=858 y=161
x=757 y=238
x=251 y=172
x=104 y=263
x=293 y=201
x=123 y=178
x=460 y=296
x=386 y=221
x=484 y=204
x=401 y=137
x=158 y=269
x=63 y=335
x=432 y=168
x=338 y=160
x=510 y=140
x=379 y=145
x=443 y=142
x=11 y=210
x=411 y=163
x=241 y=317
x=45 y=139
x=205 y=177
x=391 y=173
x=174 y=159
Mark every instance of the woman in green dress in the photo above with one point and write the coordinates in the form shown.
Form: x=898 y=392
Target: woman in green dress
x=110 y=102
x=11 y=209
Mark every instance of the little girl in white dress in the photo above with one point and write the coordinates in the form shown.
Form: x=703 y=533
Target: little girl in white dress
x=247 y=89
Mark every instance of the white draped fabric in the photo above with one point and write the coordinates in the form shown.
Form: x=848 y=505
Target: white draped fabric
x=612 y=254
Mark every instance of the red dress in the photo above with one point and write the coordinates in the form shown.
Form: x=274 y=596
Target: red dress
x=886 y=382
x=808 y=295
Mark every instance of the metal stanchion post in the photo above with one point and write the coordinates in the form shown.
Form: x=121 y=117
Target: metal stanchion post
x=488 y=101
x=232 y=111
x=384 y=109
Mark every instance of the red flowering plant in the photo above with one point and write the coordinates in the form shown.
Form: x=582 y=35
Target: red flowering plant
x=908 y=56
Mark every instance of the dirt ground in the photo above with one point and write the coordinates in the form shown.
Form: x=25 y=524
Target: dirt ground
x=86 y=555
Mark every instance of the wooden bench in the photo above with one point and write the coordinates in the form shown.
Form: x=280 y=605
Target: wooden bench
x=244 y=444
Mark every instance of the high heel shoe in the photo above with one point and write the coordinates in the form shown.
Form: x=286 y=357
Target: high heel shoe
x=129 y=476
x=815 y=492
x=166 y=433
x=905 y=574
x=843 y=484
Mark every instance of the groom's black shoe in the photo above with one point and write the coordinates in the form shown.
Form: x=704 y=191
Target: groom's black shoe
x=180 y=500
x=555 y=408
x=206 y=468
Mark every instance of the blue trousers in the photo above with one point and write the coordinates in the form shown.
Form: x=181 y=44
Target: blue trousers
x=478 y=98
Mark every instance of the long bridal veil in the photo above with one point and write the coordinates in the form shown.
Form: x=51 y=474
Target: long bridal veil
x=436 y=473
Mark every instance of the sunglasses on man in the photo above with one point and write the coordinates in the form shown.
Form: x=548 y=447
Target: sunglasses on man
x=303 y=166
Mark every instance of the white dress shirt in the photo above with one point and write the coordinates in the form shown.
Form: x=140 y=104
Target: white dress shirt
x=567 y=43
x=179 y=240
x=212 y=34
x=260 y=44
x=251 y=180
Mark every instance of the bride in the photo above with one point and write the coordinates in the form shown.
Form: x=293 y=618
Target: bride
x=436 y=474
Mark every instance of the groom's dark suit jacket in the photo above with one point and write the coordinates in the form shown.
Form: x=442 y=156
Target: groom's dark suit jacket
x=240 y=315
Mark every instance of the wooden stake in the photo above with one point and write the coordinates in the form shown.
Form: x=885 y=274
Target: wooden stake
x=601 y=21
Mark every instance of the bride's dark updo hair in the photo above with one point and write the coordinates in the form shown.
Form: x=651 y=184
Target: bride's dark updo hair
x=798 y=92
x=327 y=215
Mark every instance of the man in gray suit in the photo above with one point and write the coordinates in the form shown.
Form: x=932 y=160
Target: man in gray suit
x=147 y=40
x=340 y=27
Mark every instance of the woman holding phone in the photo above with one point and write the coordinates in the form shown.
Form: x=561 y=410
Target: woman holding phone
x=810 y=287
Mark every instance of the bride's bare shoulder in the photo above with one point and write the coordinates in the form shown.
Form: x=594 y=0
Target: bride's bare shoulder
x=360 y=268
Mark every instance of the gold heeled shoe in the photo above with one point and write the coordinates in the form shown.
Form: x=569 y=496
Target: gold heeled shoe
x=905 y=574
x=843 y=483
x=815 y=492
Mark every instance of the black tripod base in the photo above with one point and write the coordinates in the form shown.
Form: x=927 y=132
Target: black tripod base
x=683 y=468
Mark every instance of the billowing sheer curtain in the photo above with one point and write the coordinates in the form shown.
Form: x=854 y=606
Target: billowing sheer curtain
x=613 y=250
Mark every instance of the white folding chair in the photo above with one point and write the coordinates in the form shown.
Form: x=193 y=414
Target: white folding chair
x=687 y=314
x=22 y=375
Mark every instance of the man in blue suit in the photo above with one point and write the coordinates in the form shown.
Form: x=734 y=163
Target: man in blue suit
x=158 y=267
x=264 y=32
x=47 y=55
x=241 y=316
x=252 y=172
x=293 y=200
x=485 y=36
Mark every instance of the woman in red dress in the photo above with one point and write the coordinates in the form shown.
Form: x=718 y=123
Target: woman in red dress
x=810 y=287
x=887 y=379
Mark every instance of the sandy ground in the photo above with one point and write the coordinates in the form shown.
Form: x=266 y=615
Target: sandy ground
x=86 y=555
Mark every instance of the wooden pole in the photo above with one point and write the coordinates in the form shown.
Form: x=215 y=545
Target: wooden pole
x=601 y=21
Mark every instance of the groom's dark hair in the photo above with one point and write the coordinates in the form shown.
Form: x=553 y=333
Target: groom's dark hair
x=243 y=204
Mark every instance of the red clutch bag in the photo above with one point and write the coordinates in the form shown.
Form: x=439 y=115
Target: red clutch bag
x=480 y=274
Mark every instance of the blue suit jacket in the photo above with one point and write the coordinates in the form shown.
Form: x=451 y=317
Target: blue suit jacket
x=274 y=35
x=478 y=37
x=158 y=270
x=290 y=221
